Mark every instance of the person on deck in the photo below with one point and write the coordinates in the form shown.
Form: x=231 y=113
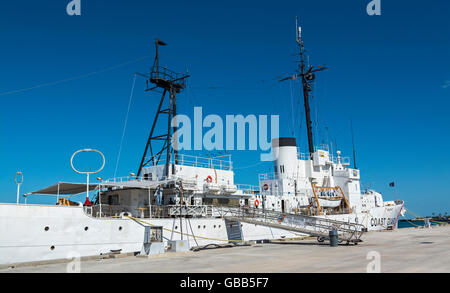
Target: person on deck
x=158 y=193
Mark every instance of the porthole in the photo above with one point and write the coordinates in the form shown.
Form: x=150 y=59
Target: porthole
x=204 y=226
x=214 y=226
x=220 y=226
x=52 y=247
x=86 y=228
x=199 y=226
x=176 y=227
x=120 y=228
x=46 y=228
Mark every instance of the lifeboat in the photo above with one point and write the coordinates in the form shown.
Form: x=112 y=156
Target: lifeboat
x=330 y=202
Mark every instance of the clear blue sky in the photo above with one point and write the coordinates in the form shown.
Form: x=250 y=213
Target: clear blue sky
x=389 y=74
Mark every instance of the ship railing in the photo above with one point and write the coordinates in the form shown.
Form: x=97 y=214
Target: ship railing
x=306 y=156
x=164 y=73
x=146 y=211
x=146 y=178
x=344 y=160
x=125 y=179
x=220 y=163
x=188 y=210
x=276 y=176
x=108 y=210
x=322 y=147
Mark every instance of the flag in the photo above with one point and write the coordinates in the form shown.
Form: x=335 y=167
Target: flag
x=161 y=43
x=392 y=184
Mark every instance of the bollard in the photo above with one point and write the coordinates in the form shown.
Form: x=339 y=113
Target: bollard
x=334 y=238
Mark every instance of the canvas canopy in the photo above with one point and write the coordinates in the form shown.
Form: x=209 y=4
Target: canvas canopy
x=65 y=188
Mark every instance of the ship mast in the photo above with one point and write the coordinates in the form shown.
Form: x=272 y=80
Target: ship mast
x=172 y=83
x=307 y=75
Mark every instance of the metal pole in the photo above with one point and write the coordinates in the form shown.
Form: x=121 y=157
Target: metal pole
x=100 y=199
x=18 y=192
x=18 y=178
x=149 y=204
x=181 y=208
x=87 y=187
x=57 y=195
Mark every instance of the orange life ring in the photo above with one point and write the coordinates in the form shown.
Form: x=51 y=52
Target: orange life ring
x=209 y=179
x=256 y=203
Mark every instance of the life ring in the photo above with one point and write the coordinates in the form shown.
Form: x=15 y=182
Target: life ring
x=265 y=187
x=209 y=179
x=256 y=203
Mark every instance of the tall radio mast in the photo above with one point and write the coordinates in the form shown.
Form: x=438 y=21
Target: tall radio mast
x=307 y=75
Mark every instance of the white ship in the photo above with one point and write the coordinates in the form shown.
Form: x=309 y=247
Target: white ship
x=307 y=194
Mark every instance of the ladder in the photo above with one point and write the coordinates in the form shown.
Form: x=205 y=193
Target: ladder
x=313 y=226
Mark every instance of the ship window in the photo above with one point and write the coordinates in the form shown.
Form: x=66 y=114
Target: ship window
x=86 y=228
x=113 y=199
x=52 y=247
x=223 y=201
x=46 y=228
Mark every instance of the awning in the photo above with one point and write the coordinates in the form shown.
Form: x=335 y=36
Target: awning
x=65 y=188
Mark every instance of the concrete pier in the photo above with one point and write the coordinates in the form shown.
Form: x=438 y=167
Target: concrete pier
x=408 y=250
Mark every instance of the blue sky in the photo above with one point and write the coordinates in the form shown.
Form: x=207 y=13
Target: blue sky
x=388 y=73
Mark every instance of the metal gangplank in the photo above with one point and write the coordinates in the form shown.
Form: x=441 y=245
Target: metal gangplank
x=309 y=225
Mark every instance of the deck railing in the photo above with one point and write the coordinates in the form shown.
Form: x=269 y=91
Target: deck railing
x=154 y=211
x=202 y=162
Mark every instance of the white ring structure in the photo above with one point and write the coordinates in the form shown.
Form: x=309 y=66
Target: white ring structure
x=87 y=151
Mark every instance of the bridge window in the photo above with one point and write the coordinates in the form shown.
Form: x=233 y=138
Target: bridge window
x=113 y=199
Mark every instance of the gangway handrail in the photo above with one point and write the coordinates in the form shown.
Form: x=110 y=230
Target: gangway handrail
x=315 y=226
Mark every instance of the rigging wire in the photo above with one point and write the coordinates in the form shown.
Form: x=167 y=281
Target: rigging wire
x=292 y=110
x=125 y=125
x=249 y=166
x=74 y=77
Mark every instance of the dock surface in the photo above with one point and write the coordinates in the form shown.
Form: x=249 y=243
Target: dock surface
x=407 y=250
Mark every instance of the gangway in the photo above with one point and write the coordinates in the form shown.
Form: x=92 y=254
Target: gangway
x=313 y=226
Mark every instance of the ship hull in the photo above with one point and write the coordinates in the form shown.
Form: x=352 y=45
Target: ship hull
x=31 y=233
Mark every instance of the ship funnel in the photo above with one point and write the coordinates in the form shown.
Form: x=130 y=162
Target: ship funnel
x=284 y=156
